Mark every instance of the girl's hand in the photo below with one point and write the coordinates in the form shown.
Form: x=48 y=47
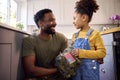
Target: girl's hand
x=74 y=52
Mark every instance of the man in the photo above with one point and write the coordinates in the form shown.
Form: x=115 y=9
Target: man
x=39 y=52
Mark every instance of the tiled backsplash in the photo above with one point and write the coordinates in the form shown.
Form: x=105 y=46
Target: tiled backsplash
x=68 y=30
x=102 y=27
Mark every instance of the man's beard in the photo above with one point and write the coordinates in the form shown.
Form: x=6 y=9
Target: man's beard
x=48 y=29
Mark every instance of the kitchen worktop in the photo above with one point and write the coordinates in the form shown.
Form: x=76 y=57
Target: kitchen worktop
x=2 y=25
x=115 y=29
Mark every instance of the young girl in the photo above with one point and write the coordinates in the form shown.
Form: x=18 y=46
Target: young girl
x=88 y=44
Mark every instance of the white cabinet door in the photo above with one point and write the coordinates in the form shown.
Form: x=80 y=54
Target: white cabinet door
x=64 y=10
x=107 y=71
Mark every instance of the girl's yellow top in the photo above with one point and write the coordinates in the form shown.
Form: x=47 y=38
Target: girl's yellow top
x=96 y=44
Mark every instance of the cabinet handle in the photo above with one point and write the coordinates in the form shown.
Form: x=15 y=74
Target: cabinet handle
x=103 y=70
x=114 y=43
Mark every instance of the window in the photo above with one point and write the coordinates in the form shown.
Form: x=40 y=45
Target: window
x=8 y=9
x=3 y=11
x=13 y=10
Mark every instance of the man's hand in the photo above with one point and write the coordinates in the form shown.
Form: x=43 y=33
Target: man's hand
x=30 y=68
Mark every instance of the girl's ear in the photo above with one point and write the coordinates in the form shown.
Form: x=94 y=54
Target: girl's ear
x=84 y=17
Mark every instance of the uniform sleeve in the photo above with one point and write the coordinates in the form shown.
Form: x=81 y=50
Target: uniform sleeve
x=27 y=47
x=99 y=52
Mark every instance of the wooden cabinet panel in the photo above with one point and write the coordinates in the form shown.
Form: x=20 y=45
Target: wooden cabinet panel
x=5 y=61
x=10 y=54
x=16 y=67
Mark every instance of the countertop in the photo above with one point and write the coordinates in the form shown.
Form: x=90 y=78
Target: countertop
x=2 y=25
x=115 y=29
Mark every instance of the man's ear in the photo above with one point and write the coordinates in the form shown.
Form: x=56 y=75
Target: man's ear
x=40 y=24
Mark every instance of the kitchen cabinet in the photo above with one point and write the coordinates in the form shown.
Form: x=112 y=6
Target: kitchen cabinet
x=117 y=54
x=10 y=53
x=64 y=10
x=60 y=9
x=107 y=71
x=5 y=51
x=110 y=70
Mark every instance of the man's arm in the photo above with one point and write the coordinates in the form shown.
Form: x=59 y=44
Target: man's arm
x=31 y=69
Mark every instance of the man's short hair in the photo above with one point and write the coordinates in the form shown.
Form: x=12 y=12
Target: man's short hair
x=39 y=16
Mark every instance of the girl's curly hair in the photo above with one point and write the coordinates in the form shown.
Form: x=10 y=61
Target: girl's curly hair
x=86 y=7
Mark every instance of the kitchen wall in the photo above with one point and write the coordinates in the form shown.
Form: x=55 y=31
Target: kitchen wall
x=63 y=10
